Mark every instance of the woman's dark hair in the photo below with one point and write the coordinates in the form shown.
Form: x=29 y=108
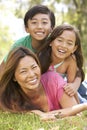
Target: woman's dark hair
x=39 y=9
x=44 y=53
x=12 y=97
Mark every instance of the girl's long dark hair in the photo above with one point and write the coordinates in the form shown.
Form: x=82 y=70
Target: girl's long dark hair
x=44 y=52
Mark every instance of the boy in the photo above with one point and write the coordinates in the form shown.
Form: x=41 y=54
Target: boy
x=39 y=22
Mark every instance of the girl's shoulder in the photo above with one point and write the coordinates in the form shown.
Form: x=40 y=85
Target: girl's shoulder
x=70 y=59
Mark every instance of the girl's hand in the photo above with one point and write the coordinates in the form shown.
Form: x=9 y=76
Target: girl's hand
x=70 y=89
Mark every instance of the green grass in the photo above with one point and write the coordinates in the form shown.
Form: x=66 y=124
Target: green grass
x=30 y=121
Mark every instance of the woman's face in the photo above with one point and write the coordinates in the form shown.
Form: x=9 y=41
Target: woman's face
x=27 y=74
x=64 y=45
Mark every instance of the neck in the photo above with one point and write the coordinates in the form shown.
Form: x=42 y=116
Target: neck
x=37 y=99
x=56 y=60
x=35 y=93
x=36 y=44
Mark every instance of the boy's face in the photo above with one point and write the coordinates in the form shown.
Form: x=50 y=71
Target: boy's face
x=39 y=26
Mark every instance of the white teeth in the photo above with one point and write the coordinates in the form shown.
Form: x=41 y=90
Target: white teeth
x=32 y=81
x=61 y=51
x=39 y=33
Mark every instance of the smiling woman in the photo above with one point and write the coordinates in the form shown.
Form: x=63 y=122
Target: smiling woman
x=27 y=75
x=23 y=88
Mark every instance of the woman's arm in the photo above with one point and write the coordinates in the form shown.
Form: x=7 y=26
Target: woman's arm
x=53 y=115
x=70 y=111
x=69 y=108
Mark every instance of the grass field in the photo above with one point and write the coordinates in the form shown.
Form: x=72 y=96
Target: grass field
x=9 y=121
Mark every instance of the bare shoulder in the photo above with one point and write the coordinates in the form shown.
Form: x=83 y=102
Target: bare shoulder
x=71 y=59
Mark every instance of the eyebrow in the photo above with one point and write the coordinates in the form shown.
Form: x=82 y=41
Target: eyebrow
x=63 y=38
x=41 y=18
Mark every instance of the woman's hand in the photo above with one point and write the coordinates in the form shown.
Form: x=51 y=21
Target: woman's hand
x=48 y=116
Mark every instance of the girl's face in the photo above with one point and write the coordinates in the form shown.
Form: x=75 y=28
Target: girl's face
x=27 y=74
x=64 y=45
x=39 y=26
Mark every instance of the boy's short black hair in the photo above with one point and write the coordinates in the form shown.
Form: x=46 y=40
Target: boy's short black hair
x=39 y=9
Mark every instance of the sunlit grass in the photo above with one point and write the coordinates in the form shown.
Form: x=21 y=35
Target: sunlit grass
x=9 y=121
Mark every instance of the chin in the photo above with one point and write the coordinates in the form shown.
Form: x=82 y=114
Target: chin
x=34 y=87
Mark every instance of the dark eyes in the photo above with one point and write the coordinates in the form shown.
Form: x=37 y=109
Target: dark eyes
x=61 y=40
x=35 y=22
x=26 y=70
x=23 y=71
x=45 y=22
x=34 y=67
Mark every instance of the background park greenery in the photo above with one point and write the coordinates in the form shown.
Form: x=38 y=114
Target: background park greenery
x=11 y=14
x=70 y=11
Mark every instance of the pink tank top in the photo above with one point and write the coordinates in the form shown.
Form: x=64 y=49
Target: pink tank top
x=53 y=85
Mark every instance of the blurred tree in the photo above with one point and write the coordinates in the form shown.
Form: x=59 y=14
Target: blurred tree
x=5 y=35
x=76 y=13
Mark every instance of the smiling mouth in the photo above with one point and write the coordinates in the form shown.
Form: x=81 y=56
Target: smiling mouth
x=39 y=33
x=62 y=51
x=32 y=82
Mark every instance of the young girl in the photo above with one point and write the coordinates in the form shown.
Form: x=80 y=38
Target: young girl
x=63 y=53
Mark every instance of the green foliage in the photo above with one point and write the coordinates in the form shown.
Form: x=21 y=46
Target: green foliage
x=76 y=14
x=5 y=40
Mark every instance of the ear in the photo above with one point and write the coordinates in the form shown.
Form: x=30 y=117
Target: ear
x=50 y=44
x=75 y=48
x=27 y=29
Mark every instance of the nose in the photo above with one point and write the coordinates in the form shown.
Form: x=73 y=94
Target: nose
x=39 y=25
x=30 y=73
x=64 y=44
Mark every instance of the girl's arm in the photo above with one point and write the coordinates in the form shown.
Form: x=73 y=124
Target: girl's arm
x=71 y=88
x=71 y=69
x=73 y=81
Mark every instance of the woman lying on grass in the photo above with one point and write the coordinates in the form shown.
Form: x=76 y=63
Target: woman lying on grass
x=23 y=89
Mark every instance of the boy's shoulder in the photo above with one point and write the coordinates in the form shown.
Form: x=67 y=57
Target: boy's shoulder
x=23 y=39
